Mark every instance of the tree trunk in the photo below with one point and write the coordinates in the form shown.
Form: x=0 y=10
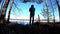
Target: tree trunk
x=47 y=11
x=10 y=10
x=3 y=14
x=53 y=11
x=38 y=18
x=58 y=9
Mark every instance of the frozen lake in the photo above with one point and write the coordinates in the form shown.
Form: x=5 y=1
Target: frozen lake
x=25 y=22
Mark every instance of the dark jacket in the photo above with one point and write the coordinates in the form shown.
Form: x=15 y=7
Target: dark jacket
x=32 y=10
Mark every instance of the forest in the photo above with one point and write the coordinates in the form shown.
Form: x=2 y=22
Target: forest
x=48 y=11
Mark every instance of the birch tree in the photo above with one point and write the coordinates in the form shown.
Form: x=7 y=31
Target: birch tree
x=53 y=11
x=10 y=10
x=45 y=12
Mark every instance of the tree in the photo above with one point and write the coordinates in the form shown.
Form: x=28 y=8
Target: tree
x=5 y=6
x=1 y=6
x=37 y=1
x=0 y=1
x=4 y=9
x=10 y=10
x=38 y=18
x=58 y=8
x=53 y=11
x=3 y=14
x=11 y=5
x=46 y=13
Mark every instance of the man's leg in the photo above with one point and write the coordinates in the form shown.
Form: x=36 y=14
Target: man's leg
x=33 y=19
x=30 y=19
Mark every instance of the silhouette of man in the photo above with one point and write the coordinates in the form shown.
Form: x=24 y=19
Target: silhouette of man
x=32 y=13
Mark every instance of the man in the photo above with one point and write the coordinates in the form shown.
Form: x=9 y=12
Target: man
x=32 y=13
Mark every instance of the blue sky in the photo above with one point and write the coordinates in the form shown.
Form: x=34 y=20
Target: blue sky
x=23 y=12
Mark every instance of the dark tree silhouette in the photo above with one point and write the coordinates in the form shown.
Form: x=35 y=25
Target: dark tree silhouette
x=10 y=10
x=0 y=1
x=53 y=11
x=38 y=18
x=5 y=6
x=3 y=14
x=58 y=8
x=37 y=1
x=45 y=12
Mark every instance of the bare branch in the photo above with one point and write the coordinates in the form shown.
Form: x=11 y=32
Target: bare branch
x=17 y=7
x=0 y=1
x=19 y=10
x=37 y=1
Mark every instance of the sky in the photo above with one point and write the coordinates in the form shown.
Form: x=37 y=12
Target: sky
x=23 y=11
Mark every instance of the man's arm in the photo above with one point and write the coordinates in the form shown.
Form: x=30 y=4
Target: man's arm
x=34 y=9
x=30 y=10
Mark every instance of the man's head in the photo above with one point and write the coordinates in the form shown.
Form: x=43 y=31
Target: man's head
x=32 y=5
